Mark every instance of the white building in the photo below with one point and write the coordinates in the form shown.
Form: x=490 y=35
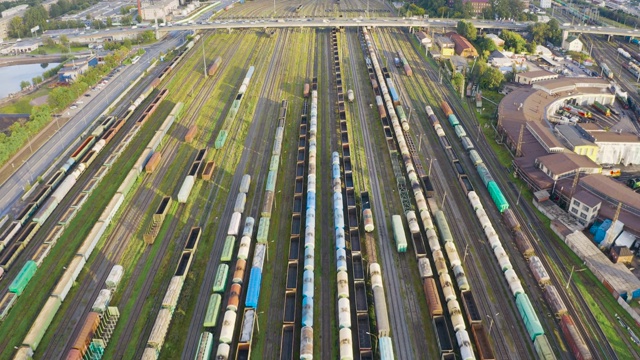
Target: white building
x=158 y=9
x=617 y=148
x=572 y=43
x=545 y=4
x=584 y=207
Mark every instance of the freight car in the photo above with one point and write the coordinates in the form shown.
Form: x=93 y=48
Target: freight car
x=578 y=347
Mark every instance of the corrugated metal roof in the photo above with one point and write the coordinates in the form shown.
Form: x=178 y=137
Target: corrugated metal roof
x=572 y=136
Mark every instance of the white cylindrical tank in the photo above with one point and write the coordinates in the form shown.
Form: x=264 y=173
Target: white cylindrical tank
x=343 y=284
x=243 y=250
x=228 y=326
x=452 y=254
x=346 y=346
x=414 y=228
x=344 y=313
x=234 y=224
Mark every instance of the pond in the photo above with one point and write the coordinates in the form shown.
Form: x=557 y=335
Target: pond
x=12 y=76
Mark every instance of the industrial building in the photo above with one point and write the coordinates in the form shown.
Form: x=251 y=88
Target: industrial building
x=530 y=77
x=158 y=9
x=462 y=46
x=572 y=137
x=572 y=43
x=445 y=45
x=75 y=68
x=424 y=39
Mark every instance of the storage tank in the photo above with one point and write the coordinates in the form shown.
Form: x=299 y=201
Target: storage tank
x=382 y=316
x=424 y=267
x=441 y=263
x=114 y=277
x=350 y=95
x=307 y=284
x=228 y=327
x=223 y=352
x=461 y=278
x=340 y=239
x=241 y=200
x=368 y=220
x=307 y=311
x=306 y=343
x=234 y=297
x=464 y=343
x=243 y=250
x=447 y=287
x=432 y=238
x=309 y=258
x=249 y=222
x=344 y=313
x=452 y=254
x=245 y=183
x=343 y=284
x=341 y=260
x=238 y=273
x=414 y=228
x=346 y=346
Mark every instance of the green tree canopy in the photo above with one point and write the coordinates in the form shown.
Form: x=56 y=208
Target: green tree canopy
x=466 y=29
x=513 y=41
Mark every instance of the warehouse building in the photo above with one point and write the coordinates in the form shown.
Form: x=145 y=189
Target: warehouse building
x=617 y=148
x=573 y=139
x=462 y=46
x=566 y=164
x=445 y=45
x=75 y=68
x=530 y=77
x=424 y=39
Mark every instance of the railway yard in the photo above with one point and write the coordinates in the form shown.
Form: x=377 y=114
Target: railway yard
x=296 y=196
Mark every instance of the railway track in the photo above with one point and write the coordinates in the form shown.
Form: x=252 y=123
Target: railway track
x=381 y=197
x=115 y=247
x=258 y=177
x=506 y=341
x=490 y=158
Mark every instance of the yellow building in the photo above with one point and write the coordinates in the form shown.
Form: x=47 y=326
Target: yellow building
x=446 y=46
x=572 y=138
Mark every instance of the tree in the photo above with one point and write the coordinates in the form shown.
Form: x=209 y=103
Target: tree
x=64 y=40
x=126 y=20
x=138 y=18
x=531 y=47
x=16 y=27
x=491 y=79
x=513 y=41
x=539 y=32
x=24 y=84
x=36 y=80
x=466 y=29
x=48 y=41
x=458 y=81
x=109 y=21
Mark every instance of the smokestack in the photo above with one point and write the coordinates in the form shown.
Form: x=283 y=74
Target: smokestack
x=140 y=8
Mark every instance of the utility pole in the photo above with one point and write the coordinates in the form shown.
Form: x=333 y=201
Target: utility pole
x=204 y=62
x=575 y=184
x=519 y=145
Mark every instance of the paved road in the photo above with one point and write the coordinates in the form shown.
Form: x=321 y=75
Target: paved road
x=12 y=189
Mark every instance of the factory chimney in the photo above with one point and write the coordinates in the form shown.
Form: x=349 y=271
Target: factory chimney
x=140 y=8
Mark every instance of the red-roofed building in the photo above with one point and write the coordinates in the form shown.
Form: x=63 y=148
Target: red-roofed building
x=462 y=46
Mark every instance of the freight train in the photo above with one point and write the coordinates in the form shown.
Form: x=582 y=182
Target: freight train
x=527 y=312
x=606 y=71
x=102 y=135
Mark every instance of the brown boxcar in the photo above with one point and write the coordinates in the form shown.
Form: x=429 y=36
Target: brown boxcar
x=578 y=347
x=433 y=300
x=214 y=67
x=408 y=70
x=86 y=332
x=445 y=107
x=485 y=351
x=207 y=173
x=523 y=244
x=306 y=91
x=74 y=354
x=155 y=82
x=510 y=219
x=191 y=133
x=554 y=300
x=153 y=162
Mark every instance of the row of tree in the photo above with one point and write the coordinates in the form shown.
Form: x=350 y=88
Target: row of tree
x=461 y=9
x=37 y=15
x=59 y=98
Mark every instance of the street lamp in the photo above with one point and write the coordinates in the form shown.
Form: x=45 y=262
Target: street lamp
x=491 y=318
x=375 y=343
x=571 y=274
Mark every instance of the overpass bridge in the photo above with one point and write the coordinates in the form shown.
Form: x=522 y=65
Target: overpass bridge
x=240 y=23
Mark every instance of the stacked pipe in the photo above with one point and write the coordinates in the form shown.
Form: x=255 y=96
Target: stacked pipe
x=98 y=327
x=306 y=333
x=344 y=306
x=455 y=311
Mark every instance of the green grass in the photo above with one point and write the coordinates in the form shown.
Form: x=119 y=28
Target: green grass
x=58 y=49
x=21 y=105
x=19 y=320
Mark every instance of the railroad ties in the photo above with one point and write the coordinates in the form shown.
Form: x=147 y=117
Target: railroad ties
x=348 y=254
x=172 y=295
x=523 y=304
x=297 y=254
x=306 y=330
x=82 y=158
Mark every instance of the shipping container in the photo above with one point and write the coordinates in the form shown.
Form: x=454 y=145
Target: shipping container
x=578 y=347
x=221 y=139
x=543 y=348
x=153 y=162
x=214 y=66
x=227 y=250
x=191 y=134
x=399 y=233
x=253 y=289
x=87 y=331
x=529 y=316
x=220 y=280
x=24 y=276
